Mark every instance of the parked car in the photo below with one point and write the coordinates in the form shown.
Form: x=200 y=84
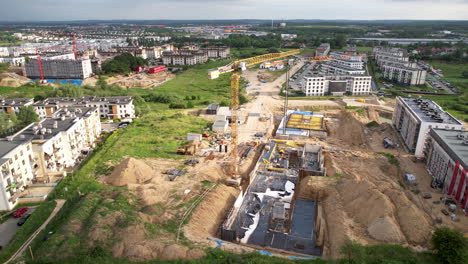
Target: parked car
x=23 y=220
x=20 y=212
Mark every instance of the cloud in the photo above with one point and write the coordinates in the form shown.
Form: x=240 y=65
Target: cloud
x=48 y=10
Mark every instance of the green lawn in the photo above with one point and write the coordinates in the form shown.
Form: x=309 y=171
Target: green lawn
x=453 y=74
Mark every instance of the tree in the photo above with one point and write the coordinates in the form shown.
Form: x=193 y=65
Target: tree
x=3 y=67
x=450 y=245
x=27 y=115
x=340 y=41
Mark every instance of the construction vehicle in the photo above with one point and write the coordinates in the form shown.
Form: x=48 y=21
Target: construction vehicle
x=235 y=67
x=388 y=143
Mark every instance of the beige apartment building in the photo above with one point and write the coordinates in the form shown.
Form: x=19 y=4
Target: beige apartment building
x=17 y=165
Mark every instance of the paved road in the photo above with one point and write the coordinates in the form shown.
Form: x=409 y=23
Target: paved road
x=9 y=227
x=26 y=244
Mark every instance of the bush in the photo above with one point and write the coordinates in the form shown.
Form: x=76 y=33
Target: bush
x=450 y=245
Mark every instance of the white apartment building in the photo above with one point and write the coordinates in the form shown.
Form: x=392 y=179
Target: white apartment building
x=413 y=118
x=323 y=49
x=58 y=141
x=447 y=162
x=217 y=51
x=13 y=61
x=13 y=105
x=16 y=161
x=114 y=107
x=339 y=68
x=4 y=52
x=322 y=85
x=399 y=73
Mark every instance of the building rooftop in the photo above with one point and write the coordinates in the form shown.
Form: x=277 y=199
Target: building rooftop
x=6 y=147
x=341 y=66
x=429 y=111
x=48 y=128
x=84 y=100
x=15 y=101
x=454 y=141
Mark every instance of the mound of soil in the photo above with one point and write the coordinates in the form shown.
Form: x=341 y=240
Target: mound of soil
x=130 y=171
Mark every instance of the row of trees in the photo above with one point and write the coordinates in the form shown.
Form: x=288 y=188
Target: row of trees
x=12 y=122
x=123 y=63
x=449 y=247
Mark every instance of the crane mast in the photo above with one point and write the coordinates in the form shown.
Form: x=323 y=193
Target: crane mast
x=235 y=68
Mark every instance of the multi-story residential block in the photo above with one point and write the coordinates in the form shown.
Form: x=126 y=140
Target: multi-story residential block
x=447 y=162
x=217 y=51
x=4 y=52
x=17 y=165
x=13 y=61
x=114 y=107
x=321 y=85
x=185 y=57
x=58 y=142
x=340 y=67
x=395 y=66
x=413 y=118
x=400 y=73
x=13 y=105
x=323 y=49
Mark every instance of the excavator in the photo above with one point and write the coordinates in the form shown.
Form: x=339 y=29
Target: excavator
x=235 y=68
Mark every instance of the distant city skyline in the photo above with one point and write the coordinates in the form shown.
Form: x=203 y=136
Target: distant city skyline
x=67 y=10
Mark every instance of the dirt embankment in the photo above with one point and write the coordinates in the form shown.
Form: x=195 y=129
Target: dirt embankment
x=362 y=197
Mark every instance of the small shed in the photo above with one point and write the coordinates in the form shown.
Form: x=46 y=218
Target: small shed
x=193 y=136
x=220 y=126
x=212 y=109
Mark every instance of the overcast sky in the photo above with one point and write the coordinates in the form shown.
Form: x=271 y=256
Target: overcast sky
x=52 y=10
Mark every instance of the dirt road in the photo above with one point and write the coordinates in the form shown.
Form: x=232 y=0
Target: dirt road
x=265 y=103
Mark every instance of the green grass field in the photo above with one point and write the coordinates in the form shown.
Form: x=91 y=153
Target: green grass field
x=453 y=74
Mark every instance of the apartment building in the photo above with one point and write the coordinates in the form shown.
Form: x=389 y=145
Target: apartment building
x=217 y=51
x=414 y=117
x=13 y=105
x=185 y=57
x=405 y=73
x=16 y=162
x=395 y=66
x=13 y=61
x=340 y=67
x=58 y=142
x=114 y=107
x=447 y=162
x=323 y=49
x=337 y=85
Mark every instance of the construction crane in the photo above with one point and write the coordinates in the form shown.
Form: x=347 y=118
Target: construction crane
x=73 y=38
x=235 y=67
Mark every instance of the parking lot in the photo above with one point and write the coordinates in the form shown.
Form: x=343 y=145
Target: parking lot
x=297 y=81
x=9 y=227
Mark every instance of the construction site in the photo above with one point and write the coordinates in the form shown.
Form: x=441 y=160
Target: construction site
x=294 y=182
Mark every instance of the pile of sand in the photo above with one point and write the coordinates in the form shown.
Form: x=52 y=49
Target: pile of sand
x=350 y=129
x=363 y=201
x=130 y=171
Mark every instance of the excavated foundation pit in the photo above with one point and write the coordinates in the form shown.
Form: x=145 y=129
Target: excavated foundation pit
x=269 y=213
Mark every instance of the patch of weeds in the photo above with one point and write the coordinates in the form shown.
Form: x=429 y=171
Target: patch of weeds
x=339 y=175
x=206 y=184
x=372 y=124
x=348 y=107
x=361 y=111
x=391 y=158
x=416 y=191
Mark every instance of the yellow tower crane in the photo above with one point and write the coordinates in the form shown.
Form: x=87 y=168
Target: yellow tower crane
x=235 y=67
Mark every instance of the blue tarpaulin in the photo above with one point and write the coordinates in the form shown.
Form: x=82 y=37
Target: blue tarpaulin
x=76 y=82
